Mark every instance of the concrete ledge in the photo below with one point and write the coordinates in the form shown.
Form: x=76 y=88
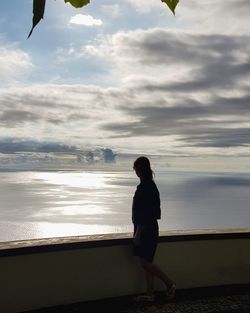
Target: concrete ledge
x=93 y=241
x=70 y=270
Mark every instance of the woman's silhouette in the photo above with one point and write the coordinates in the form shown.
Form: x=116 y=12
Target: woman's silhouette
x=145 y=213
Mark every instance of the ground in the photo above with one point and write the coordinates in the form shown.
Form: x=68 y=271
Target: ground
x=230 y=299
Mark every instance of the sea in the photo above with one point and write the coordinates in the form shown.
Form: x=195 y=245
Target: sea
x=58 y=203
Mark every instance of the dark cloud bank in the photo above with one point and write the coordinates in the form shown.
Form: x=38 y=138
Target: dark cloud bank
x=29 y=152
x=198 y=108
x=208 y=107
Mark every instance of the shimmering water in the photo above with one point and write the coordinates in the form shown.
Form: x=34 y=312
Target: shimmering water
x=71 y=203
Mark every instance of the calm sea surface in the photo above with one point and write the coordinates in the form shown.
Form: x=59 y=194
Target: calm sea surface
x=72 y=203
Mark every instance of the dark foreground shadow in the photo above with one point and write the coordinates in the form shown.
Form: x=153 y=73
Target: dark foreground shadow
x=224 y=299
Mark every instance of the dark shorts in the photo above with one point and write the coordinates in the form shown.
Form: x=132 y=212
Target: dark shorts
x=149 y=239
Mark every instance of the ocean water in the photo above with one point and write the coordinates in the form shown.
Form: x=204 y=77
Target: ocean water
x=40 y=204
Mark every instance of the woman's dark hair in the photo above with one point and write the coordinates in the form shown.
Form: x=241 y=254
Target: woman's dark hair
x=142 y=166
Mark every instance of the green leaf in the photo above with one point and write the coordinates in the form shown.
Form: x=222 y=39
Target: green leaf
x=38 y=12
x=171 y=4
x=77 y=3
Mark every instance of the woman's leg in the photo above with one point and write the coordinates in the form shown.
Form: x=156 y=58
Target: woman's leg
x=149 y=277
x=154 y=270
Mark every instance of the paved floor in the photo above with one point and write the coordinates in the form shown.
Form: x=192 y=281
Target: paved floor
x=203 y=300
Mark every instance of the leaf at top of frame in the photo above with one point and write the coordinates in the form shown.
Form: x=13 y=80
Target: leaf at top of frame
x=77 y=3
x=171 y=4
x=38 y=12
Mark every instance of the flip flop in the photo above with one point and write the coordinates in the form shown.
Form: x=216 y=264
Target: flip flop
x=145 y=298
x=171 y=292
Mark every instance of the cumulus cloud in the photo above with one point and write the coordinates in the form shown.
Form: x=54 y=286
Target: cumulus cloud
x=86 y=20
x=108 y=155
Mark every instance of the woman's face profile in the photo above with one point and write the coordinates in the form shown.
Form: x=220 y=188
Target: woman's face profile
x=136 y=171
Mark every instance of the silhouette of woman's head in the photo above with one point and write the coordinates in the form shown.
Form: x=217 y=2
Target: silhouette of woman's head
x=143 y=169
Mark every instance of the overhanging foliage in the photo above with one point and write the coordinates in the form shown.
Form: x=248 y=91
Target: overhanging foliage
x=39 y=8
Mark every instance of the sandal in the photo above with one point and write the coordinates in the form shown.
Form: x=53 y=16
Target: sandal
x=170 y=293
x=145 y=298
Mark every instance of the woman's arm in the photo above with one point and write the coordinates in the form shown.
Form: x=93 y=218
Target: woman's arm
x=137 y=236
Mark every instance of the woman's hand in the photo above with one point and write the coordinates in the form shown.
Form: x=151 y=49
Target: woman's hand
x=137 y=235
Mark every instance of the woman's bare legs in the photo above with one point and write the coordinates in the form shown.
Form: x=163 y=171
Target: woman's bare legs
x=149 y=277
x=154 y=270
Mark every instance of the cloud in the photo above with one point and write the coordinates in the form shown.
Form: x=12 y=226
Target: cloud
x=145 y=109
x=218 y=137
x=108 y=155
x=178 y=62
x=47 y=103
x=158 y=46
x=207 y=58
x=211 y=16
x=12 y=145
x=87 y=20
x=24 y=153
x=14 y=63
x=147 y=6
x=217 y=123
x=12 y=118
x=175 y=90
x=64 y=112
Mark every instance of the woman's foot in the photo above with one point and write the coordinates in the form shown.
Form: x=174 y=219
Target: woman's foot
x=170 y=293
x=145 y=298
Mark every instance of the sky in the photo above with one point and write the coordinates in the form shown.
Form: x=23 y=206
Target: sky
x=126 y=77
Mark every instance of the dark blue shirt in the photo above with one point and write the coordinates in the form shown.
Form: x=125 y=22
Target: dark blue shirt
x=146 y=207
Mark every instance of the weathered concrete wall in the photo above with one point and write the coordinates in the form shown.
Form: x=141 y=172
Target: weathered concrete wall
x=38 y=280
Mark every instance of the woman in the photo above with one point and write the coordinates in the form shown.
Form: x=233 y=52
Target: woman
x=145 y=213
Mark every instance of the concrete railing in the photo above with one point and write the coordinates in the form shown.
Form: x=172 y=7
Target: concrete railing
x=42 y=273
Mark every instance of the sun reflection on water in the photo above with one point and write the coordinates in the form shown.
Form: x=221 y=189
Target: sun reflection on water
x=81 y=180
x=76 y=196
x=44 y=230
x=65 y=203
